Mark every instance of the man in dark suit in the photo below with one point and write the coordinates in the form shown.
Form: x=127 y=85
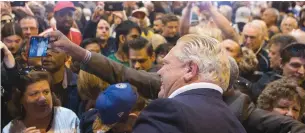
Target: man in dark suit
x=148 y=85
x=189 y=94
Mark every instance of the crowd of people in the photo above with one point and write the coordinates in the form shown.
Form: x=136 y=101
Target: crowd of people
x=154 y=66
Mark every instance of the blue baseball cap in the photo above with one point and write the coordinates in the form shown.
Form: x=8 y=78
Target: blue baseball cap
x=115 y=103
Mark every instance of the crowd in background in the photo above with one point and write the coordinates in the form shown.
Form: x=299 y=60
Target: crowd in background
x=264 y=40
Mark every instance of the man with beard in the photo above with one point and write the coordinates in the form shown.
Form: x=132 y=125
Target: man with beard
x=63 y=14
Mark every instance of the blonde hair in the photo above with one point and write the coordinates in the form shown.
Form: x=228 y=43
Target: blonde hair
x=248 y=62
x=206 y=52
x=89 y=86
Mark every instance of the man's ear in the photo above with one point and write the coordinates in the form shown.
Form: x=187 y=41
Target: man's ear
x=192 y=71
x=122 y=38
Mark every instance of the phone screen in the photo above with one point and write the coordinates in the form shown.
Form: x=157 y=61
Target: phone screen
x=38 y=46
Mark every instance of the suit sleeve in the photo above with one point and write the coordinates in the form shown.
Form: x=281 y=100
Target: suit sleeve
x=267 y=122
x=160 y=116
x=147 y=84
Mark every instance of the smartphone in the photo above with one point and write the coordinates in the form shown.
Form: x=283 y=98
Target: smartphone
x=18 y=3
x=113 y=6
x=38 y=46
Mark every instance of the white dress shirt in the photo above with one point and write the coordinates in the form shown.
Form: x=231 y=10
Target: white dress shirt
x=193 y=86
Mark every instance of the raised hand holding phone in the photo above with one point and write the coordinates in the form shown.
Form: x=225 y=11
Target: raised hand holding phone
x=38 y=46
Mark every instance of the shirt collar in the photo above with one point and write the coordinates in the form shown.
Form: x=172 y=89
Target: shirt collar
x=193 y=86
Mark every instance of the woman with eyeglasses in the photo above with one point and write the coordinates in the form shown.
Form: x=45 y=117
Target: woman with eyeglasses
x=12 y=37
x=36 y=110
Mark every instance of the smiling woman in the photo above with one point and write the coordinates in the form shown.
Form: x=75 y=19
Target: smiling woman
x=35 y=108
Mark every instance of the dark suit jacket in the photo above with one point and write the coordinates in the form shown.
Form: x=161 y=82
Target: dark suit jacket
x=148 y=85
x=194 y=111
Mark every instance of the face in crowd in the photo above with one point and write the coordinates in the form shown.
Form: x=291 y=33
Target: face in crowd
x=252 y=37
x=37 y=99
x=170 y=29
x=64 y=20
x=54 y=60
x=29 y=27
x=140 y=59
x=288 y=107
x=102 y=30
x=158 y=26
x=288 y=24
x=295 y=68
x=274 y=56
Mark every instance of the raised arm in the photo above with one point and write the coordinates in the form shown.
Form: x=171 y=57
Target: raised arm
x=148 y=84
x=185 y=21
x=221 y=21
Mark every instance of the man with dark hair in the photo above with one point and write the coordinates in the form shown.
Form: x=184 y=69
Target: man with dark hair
x=277 y=43
x=292 y=61
x=63 y=14
x=170 y=28
x=125 y=31
x=141 y=54
x=64 y=80
x=92 y=44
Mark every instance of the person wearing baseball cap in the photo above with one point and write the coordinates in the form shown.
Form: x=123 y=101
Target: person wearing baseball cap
x=243 y=15
x=63 y=14
x=112 y=106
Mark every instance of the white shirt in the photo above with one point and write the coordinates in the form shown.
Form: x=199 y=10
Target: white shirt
x=193 y=86
x=64 y=121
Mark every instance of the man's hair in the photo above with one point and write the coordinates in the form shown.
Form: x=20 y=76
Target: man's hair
x=24 y=81
x=255 y=26
x=163 y=48
x=206 y=53
x=281 y=40
x=90 y=41
x=30 y=17
x=10 y=29
x=292 y=50
x=282 y=88
x=169 y=18
x=138 y=44
x=124 y=28
x=234 y=72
